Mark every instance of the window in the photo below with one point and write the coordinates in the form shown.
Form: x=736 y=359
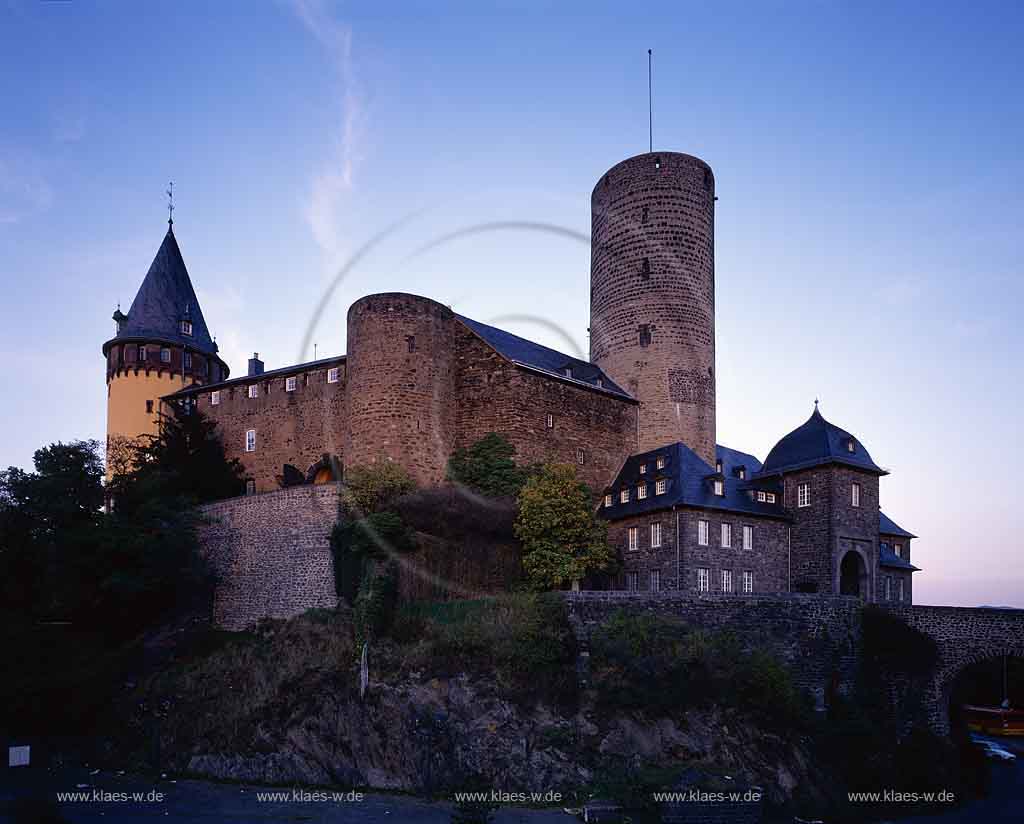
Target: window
x=727 y=580
x=332 y=374
x=885 y=546
x=643 y=469
x=718 y=466
x=743 y=473
x=655 y=535
x=410 y=342
x=719 y=488
x=165 y=355
x=771 y=497
x=250 y=440
x=645 y=334
x=567 y=371
x=142 y=353
x=641 y=491
x=703 y=579
x=631 y=581
x=634 y=539
x=624 y=496
x=215 y=398
x=254 y=390
x=748 y=581
x=607 y=501
x=851 y=446
x=250 y=486
x=660 y=464
x=888 y=587
x=655 y=580
x=748 y=537
x=899 y=589
x=660 y=487
x=149 y=406
x=702 y=532
x=726 y=535
x=855 y=494
x=760 y=497
x=803 y=495
x=186 y=360
x=290 y=384
x=898 y=549
x=549 y=421
x=186 y=327
x=581 y=456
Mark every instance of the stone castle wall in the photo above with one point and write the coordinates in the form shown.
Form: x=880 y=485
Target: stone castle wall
x=271 y=554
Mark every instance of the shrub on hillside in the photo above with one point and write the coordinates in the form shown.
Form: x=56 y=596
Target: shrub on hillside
x=488 y=467
x=371 y=488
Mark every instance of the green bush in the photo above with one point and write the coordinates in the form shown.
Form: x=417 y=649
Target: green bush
x=370 y=489
x=488 y=467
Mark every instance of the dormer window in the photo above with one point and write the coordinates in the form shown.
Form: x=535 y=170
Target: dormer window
x=851 y=445
x=165 y=355
x=607 y=500
x=624 y=496
x=254 y=390
x=643 y=469
x=641 y=491
x=761 y=497
x=567 y=371
x=742 y=473
x=897 y=550
x=600 y=383
x=290 y=384
x=660 y=463
x=718 y=467
x=771 y=497
x=186 y=327
x=660 y=487
x=719 y=487
x=332 y=375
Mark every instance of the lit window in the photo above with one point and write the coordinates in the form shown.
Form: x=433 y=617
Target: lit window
x=727 y=580
x=761 y=497
x=290 y=384
x=748 y=537
x=660 y=463
x=641 y=491
x=549 y=421
x=634 y=539
x=250 y=486
x=165 y=355
x=332 y=375
x=254 y=390
x=631 y=581
x=624 y=496
x=581 y=456
x=643 y=469
x=898 y=549
x=703 y=527
x=771 y=497
x=660 y=487
x=655 y=535
x=607 y=501
x=748 y=581
x=803 y=495
x=726 y=535
x=655 y=580
x=703 y=579
x=186 y=327
x=856 y=494
x=719 y=488
x=250 y=440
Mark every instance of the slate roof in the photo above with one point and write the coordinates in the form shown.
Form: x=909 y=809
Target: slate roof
x=197 y=388
x=689 y=484
x=888 y=558
x=887 y=526
x=532 y=355
x=814 y=443
x=165 y=298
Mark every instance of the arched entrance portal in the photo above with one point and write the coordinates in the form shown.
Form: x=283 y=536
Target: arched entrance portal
x=853 y=575
x=325 y=471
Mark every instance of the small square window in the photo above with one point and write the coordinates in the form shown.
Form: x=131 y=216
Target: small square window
x=549 y=421
x=703 y=527
x=761 y=497
x=641 y=491
x=719 y=488
x=215 y=397
x=624 y=496
x=332 y=374
x=607 y=501
x=660 y=463
x=290 y=384
x=655 y=535
x=581 y=456
x=771 y=497
x=803 y=495
x=254 y=390
x=250 y=440
x=660 y=487
x=634 y=539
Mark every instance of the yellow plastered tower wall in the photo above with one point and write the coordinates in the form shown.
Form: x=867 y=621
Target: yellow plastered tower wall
x=162 y=345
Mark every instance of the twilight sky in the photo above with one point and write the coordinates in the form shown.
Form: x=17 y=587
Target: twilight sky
x=867 y=158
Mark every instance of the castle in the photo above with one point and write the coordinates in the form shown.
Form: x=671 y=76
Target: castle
x=638 y=419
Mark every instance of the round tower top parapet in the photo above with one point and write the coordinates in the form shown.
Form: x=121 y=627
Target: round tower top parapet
x=382 y=300
x=653 y=167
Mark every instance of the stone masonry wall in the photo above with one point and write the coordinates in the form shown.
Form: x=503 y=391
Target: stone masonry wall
x=271 y=553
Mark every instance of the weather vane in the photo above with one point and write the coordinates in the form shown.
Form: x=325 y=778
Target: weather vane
x=170 y=203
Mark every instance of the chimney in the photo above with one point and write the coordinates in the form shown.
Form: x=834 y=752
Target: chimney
x=255 y=365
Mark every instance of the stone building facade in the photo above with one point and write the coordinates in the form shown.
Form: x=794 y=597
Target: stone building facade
x=419 y=381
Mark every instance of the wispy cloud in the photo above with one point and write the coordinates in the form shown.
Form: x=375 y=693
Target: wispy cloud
x=331 y=188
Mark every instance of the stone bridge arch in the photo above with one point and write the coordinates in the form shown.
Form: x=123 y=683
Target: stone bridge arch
x=964 y=636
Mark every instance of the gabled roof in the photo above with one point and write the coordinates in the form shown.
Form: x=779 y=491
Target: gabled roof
x=887 y=526
x=814 y=443
x=281 y=371
x=532 y=355
x=888 y=558
x=166 y=298
x=688 y=484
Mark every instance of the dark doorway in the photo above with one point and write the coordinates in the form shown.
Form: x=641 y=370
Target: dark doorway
x=852 y=575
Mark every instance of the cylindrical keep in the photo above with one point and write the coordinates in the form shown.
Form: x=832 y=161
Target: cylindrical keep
x=652 y=294
x=401 y=384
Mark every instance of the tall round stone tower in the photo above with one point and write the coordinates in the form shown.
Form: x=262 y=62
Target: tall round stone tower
x=652 y=294
x=400 y=388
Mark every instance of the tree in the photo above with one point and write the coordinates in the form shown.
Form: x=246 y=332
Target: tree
x=369 y=489
x=562 y=539
x=488 y=467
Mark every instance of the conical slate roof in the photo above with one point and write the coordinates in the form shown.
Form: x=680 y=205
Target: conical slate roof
x=166 y=298
x=817 y=442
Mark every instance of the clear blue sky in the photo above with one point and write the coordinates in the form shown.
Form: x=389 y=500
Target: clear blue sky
x=867 y=156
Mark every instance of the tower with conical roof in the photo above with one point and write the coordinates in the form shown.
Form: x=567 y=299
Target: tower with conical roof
x=160 y=346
